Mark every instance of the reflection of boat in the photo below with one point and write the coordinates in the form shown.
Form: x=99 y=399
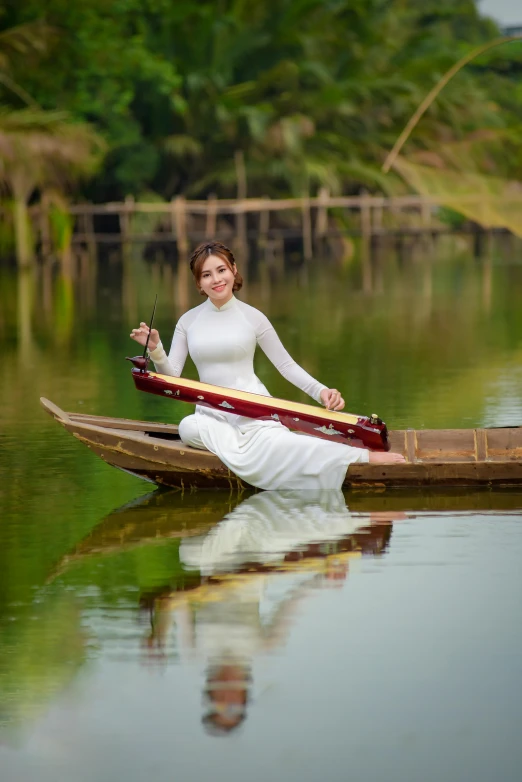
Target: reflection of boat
x=312 y=534
x=168 y=515
x=445 y=457
x=151 y=520
x=162 y=516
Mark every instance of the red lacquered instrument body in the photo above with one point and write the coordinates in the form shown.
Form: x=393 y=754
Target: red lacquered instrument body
x=359 y=431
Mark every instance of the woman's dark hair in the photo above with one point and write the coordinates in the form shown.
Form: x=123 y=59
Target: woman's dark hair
x=201 y=253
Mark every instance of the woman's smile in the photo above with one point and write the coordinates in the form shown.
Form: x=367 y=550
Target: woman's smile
x=217 y=279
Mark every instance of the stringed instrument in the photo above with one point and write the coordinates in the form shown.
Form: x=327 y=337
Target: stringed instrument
x=359 y=431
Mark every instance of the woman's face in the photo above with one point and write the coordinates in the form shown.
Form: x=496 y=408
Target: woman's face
x=217 y=280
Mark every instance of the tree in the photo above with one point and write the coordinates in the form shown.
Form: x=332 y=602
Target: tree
x=306 y=92
x=40 y=150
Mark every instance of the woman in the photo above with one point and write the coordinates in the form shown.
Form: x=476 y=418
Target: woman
x=221 y=336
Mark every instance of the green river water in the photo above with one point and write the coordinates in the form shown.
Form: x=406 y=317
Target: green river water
x=154 y=634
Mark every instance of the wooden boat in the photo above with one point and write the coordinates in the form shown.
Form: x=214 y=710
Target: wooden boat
x=435 y=457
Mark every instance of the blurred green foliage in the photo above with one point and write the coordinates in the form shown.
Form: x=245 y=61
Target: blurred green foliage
x=313 y=92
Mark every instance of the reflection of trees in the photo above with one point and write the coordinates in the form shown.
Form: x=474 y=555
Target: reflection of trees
x=41 y=150
x=40 y=654
x=24 y=317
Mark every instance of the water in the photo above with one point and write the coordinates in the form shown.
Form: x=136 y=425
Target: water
x=371 y=636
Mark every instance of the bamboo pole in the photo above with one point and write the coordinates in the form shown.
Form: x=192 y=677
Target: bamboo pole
x=182 y=286
x=369 y=207
x=307 y=229
x=366 y=262
x=377 y=215
x=264 y=223
x=260 y=205
x=180 y=219
x=432 y=94
x=24 y=310
x=321 y=221
x=425 y=211
x=366 y=216
x=241 y=230
x=125 y=217
x=45 y=227
x=22 y=229
x=90 y=236
x=210 y=227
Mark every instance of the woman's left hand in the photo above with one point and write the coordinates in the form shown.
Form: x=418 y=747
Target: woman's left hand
x=332 y=399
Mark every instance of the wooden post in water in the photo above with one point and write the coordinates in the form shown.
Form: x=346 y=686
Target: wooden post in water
x=211 y=219
x=241 y=230
x=425 y=210
x=180 y=222
x=126 y=218
x=278 y=256
x=366 y=215
x=90 y=236
x=377 y=216
x=366 y=236
x=321 y=221
x=24 y=311
x=395 y=212
x=45 y=227
x=180 y=219
x=307 y=228
x=264 y=222
x=264 y=243
x=22 y=230
x=182 y=286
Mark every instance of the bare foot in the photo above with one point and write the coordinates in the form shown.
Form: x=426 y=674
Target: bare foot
x=381 y=457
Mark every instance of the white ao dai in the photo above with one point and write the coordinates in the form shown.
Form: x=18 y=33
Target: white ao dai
x=221 y=342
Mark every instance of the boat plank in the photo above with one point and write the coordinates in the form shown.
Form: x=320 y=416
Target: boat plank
x=124 y=423
x=499 y=473
x=505 y=442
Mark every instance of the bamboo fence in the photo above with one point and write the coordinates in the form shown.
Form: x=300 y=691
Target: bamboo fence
x=184 y=221
x=309 y=219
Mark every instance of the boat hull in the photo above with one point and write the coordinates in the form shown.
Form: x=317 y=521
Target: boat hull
x=447 y=457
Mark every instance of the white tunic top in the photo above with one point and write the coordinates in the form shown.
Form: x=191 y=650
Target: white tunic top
x=222 y=341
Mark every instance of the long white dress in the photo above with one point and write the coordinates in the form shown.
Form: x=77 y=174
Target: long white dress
x=222 y=341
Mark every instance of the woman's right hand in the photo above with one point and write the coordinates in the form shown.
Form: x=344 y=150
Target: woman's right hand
x=140 y=335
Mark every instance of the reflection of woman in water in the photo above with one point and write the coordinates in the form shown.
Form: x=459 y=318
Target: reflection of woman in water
x=221 y=336
x=255 y=568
